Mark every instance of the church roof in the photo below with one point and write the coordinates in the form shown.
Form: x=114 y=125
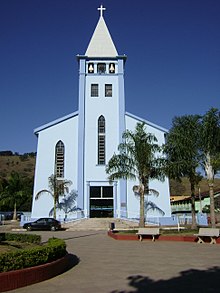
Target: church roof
x=147 y=122
x=55 y=122
x=101 y=44
x=74 y=114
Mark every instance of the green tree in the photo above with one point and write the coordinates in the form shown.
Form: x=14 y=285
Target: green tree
x=210 y=149
x=15 y=193
x=3 y=184
x=182 y=153
x=25 y=204
x=57 y=188
x=138 y=159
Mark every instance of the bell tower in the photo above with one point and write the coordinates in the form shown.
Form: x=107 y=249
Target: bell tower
x=101 y=109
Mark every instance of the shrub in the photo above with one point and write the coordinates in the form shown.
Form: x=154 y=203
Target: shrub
x=20 y=238
x=53 y=250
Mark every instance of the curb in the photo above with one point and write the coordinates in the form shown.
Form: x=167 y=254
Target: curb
x=24 y=277
x=179 y=238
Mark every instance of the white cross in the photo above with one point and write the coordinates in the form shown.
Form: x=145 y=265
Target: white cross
x=101 y=8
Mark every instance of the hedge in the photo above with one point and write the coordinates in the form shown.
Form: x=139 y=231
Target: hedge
x=20 y=238
x=53 y=250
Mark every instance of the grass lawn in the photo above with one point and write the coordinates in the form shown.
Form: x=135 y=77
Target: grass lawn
x=8 y=246
x=182 y=232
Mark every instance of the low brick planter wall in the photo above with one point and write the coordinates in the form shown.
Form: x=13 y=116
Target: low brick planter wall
x=20 y=278
x=189 y=238
x=118 y=236
x=177 y=238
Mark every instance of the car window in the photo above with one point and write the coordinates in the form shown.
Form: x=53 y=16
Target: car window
x=41 y=221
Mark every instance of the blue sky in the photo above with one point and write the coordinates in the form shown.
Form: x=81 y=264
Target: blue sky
x=173 y=65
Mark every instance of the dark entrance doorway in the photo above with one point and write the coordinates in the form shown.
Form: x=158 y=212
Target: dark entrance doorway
x=101 y=202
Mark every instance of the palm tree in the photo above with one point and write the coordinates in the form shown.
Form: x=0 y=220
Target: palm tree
x=182 y=153
x=210 y=148
x=68 y=204
x=139 y=159
x=57 y=187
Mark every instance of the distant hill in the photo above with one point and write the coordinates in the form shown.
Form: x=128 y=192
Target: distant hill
x=23 y=164
x=183 y=188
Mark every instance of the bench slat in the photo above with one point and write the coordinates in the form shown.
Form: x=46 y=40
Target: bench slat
x=148 y=231
x=208 y=232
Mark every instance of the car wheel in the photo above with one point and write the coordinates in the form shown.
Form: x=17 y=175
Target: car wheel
x=53 y=228
x=28 y=228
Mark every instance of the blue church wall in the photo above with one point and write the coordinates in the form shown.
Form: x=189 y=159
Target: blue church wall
x=45 y=161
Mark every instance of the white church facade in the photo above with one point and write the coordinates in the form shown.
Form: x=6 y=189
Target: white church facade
x=77 y=147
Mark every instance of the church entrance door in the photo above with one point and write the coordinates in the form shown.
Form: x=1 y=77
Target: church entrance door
x=101 y=202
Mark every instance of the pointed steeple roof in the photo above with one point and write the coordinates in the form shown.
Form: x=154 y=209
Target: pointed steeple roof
x=101 y=44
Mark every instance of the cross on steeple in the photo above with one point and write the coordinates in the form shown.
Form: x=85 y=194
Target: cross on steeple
x=101 y=8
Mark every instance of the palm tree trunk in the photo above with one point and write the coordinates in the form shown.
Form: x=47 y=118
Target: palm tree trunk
x=210 y=177
x=142 y=219
x=15 y=213
x=212 y=205
x=193 y=209
x=54 y=208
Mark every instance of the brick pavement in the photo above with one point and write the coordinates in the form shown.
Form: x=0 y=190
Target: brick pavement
x=112 y=266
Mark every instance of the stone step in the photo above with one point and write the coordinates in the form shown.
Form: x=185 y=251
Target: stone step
x=99 y=224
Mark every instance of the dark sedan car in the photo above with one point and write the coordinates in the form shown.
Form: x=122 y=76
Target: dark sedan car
x=43 y=224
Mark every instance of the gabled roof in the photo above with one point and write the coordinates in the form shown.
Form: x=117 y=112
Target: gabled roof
x=101 y=44
x=147 y=122
x=71 y=115
x=57 y=121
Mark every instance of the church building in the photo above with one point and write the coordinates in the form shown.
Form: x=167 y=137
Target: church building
x=77 y=147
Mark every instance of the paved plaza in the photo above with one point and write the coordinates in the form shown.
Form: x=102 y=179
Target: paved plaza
x=106 y=265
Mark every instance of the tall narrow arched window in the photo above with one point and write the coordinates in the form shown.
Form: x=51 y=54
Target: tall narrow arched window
x=59 y=159
x=101 y=140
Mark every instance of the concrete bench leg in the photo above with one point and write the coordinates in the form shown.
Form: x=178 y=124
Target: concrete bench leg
x=213 y=240
x=200 y=240
x=141 y=237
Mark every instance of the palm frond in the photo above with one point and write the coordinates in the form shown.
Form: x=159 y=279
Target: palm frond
x=39 y=193
x=149 y=205
x=67 y=204
x=153 y=192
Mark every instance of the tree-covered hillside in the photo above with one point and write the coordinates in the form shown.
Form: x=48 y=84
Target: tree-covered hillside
x=16 y=180
x=183 y=188
x=13 y=162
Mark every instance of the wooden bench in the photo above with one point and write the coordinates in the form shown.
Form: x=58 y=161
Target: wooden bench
x=211 y=233
x=148 y=231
